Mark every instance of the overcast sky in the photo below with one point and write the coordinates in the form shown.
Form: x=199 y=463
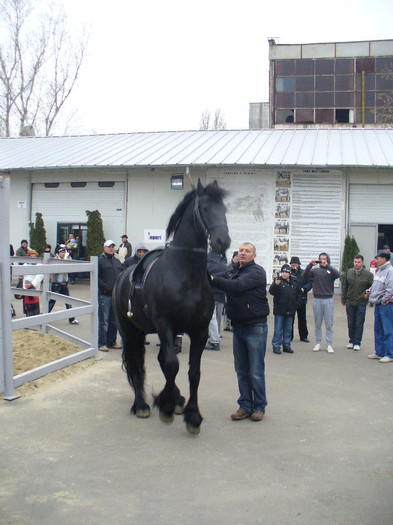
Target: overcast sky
x=155 y=65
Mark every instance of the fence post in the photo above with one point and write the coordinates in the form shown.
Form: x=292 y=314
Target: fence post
x=94 y=302
x=45 y=289
x=6 y=329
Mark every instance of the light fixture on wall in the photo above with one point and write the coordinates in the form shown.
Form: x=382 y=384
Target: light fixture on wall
x=177 y=181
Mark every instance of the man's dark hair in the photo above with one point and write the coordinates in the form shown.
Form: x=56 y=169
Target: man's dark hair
x=358 y=256
x=22 y=241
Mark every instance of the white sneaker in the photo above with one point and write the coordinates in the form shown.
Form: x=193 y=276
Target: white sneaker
x=317 y=348
x=374 y=356
x=356 y=347
x=330 y=349
x=350 y=346
x=386 y=359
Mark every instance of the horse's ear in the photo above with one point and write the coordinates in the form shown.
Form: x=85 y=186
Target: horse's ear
x=215 y=183
x=200 y=188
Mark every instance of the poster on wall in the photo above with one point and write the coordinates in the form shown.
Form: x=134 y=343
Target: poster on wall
x=250 y=210
x=282 y=220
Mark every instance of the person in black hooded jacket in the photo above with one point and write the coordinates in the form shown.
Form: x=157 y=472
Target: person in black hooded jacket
x=287 y=297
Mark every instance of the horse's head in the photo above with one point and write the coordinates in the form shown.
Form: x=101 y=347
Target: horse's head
x=210 y=214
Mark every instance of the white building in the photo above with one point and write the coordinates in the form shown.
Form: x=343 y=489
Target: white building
x=292 y=192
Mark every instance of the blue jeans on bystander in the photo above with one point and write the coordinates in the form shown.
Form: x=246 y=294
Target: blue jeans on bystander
x=355 y=317
x=107 y=328
x=383 y=330
x=249 y=349
x=282 y=331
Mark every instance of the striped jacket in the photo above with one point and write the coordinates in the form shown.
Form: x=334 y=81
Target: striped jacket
x=382 y=288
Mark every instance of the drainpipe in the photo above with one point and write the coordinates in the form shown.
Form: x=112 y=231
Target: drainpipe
x=363 y=96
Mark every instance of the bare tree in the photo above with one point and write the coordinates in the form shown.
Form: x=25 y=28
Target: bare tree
x=218 y=122
x=384 y=113
x=39 y=66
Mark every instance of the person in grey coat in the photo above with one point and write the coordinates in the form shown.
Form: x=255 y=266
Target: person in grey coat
x=323 y=275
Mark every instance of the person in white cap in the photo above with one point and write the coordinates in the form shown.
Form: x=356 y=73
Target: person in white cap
x=109 y=268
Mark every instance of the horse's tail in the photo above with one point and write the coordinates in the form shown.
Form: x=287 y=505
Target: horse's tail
x=133 y=355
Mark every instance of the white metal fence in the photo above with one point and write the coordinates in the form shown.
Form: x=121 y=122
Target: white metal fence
x=45 y=266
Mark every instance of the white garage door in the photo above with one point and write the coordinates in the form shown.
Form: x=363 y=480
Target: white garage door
x=371 y=203
x=63 y=203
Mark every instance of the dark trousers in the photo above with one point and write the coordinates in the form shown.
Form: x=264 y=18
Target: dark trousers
x=63 y=290
x=355 y=317
x=301 y=321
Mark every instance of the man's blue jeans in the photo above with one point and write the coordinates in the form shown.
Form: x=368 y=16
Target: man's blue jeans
x=282 y=331
x=249 y=349
x=355 y=317
x=383 y=330
x=107 y=328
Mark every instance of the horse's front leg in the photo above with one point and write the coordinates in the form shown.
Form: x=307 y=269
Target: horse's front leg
x=192 y=416
x=179 y=399
x=166 y=400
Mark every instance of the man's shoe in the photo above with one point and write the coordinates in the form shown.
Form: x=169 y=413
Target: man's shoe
x=350 y=346
x=374 y=356
x=356 y=347
x=305 y=340
x=288 y=350
x=239 y=415
x=75 y=321
x=276 y=351
x=257 y=415
x=103 y=349
x=227 y=329
x=317 y=348
x=115 y=346
x=330 y=349
x=212 y=346
x=386 y=359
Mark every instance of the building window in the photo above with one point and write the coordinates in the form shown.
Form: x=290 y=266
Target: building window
x=78 y=184
x=285 y=68
x=284 y=116
x=365 y=64
x=305 y=116
x=344 y=66
x=106 y=184
x=51 y=184
x=324 y=116
x=285 y=100
x=344 y=100
x=285 y=84
x=304 y=100
x=304 y=83
x=342 y=115
x=324 y=100
x=324 y=67
x=304 y=67
x=325 y=83
x=344 y=83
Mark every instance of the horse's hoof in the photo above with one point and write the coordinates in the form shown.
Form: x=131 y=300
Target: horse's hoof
x=179 y=409
x=143 y=414
x=193 y=430
x=166 y=419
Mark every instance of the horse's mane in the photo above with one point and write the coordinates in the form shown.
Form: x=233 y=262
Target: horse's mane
x=212 y=190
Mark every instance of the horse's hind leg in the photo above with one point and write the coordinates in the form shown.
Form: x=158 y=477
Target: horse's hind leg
x=169 y=396
x=134 y=364
x=192 y=416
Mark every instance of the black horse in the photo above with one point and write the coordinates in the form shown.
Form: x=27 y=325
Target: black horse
x=173 y=296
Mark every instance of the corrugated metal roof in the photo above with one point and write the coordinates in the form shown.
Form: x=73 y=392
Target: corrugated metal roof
x=273 y=147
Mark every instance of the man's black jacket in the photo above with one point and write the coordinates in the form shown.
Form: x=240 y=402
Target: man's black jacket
x=109 y=269
x=245 y=289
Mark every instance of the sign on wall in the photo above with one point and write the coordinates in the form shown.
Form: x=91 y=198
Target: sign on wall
x=156 y=236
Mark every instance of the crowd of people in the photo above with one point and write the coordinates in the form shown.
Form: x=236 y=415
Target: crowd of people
x=240 y=297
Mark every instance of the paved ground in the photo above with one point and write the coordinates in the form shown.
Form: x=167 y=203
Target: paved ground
x=322 y=455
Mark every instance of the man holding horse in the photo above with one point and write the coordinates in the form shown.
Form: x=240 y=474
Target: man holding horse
x=247 y=308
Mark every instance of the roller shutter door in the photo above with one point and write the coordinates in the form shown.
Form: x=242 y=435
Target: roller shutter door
x=67 y=204
x=371 y=203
